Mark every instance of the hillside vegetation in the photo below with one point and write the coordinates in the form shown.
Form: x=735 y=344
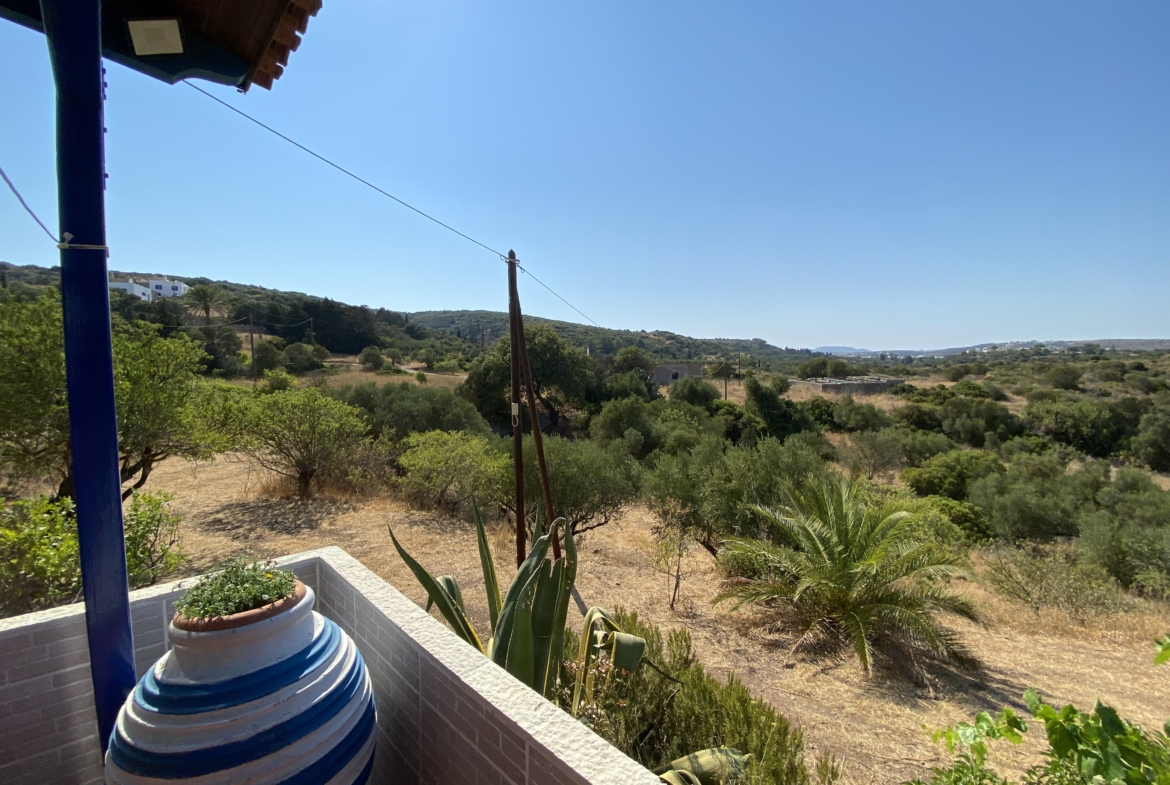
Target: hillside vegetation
x=847 y=535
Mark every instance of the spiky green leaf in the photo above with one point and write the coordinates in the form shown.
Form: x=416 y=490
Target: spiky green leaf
x=451 y=610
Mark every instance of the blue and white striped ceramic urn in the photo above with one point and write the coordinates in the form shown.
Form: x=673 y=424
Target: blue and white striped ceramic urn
x=275 y=696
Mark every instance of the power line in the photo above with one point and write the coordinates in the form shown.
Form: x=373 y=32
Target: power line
x=27 y=209
x=562 y=299
x=344 y=170
x=367 y=183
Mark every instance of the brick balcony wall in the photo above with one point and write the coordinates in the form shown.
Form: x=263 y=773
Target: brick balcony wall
x=446 y=714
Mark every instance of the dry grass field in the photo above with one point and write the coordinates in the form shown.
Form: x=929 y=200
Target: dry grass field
x=874 y=726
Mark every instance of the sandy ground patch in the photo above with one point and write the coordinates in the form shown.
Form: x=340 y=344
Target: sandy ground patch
x=873 y=725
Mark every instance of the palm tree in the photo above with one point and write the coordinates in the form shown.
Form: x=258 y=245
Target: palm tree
x=206 y=301
x=854 y=573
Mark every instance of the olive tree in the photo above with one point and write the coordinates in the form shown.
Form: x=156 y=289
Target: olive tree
x=163 y=409
x=301 y=434
x=450 y=468
x=589 y=484
x=563 y=376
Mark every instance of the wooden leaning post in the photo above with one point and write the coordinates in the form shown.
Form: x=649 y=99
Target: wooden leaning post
x=518 y=351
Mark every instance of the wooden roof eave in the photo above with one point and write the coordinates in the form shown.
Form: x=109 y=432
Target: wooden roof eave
x=241 y=43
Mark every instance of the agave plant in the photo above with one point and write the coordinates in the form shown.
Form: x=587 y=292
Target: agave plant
x=854 y=571
x=706 y=767
x=528 y=623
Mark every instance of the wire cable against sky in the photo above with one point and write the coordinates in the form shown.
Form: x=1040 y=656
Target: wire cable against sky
x=27 y=209
x=343 y=170
x=367 y=183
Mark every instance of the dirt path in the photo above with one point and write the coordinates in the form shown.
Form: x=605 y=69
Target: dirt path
x=873 y=725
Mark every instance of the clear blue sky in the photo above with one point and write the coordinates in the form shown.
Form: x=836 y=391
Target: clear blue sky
x=886 y=175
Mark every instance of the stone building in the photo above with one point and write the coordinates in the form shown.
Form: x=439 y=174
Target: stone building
x=850 y=385
x=665 y=373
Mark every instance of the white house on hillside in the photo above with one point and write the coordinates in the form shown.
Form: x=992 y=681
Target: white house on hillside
x=165 y=287
x=134 y=289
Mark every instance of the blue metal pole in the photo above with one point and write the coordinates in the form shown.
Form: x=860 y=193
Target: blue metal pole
x=73 y=30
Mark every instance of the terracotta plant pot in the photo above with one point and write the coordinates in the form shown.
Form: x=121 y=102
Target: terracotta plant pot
x=276 y=695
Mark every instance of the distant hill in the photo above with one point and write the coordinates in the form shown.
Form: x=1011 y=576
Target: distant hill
x=1122 y=344
x=348 y=328
x=602 y=340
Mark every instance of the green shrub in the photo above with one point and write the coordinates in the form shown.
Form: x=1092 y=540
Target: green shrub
x=235 y=587
x=1097 y=428
x=589 y=484
x=821 y=410
x=919 y=446
x=706 y=490
x=780 y=416
x=1084 y=748
x=372 y=358
x=919 y=416
x=447 y=366
x=871 y=453
x=739 y=427
x=397 y=410
x=695 y=391
x=39 y=561
x=849 y=415
x=269 y=355
x=966 y=516
x=1128 y=532
x=621 y=415
x=152 y=537
x=1152 y=443
x=1064 y=376
x=301 y=434
x=636 y=383
x=970 y=390
x=1053 y=577
x=448 y=468
x=302 y=357
x=633 y=358
x=970 y=420
x=278 y=380
x=949 y=473
x=814 y=441
x=40 y=565
x=1036 y=497
x=993 y=392
x=655 y=719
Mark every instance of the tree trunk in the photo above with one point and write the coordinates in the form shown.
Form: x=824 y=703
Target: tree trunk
x=304 y=483
x=65 y=489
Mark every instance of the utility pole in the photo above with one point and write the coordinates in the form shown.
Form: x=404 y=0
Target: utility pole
x=517 y=426
x=252 y=349
x=482 y=337
x=537 y=439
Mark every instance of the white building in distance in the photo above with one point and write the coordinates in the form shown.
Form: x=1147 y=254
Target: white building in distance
x=165 y=287
x=134 y=289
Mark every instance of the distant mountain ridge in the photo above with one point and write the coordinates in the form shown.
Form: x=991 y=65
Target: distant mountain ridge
x=603 y=340
x=488 y=326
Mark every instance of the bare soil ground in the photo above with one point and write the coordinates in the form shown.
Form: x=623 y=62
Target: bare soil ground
x=873 y=725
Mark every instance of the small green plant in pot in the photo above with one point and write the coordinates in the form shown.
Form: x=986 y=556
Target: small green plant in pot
x=238 y=586
x=257 y=687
